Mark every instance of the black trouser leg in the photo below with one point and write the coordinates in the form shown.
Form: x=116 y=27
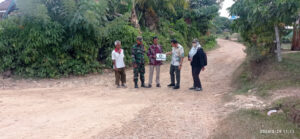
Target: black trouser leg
x=193 y=71
x=172 y=75
x=196 y=72
x=177 y=75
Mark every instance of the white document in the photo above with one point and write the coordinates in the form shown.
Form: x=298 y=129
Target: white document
x=161 y=57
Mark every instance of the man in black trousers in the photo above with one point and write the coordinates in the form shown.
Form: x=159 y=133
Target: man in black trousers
x=198 y=60
x=176 y=63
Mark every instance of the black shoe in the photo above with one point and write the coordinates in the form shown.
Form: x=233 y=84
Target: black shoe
x=149 y=86
x=192 y=88
x=158 y=85
x=136 y=85
x=143 y=85
x=176 y=87
x=171 y=85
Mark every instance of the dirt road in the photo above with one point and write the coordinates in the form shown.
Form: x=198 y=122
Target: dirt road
x=91 y=107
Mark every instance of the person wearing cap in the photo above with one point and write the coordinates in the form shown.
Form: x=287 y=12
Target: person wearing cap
x=138 y=62
x=198 y=60
x=154 y=49
x=119 y=65
x=176 y=63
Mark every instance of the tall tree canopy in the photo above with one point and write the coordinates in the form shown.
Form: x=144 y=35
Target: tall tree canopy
x=257 y=20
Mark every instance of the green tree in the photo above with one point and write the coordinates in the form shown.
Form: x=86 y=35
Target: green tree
x=147 y=12
x=260 y=21
x=202 y=12
x=221 y=24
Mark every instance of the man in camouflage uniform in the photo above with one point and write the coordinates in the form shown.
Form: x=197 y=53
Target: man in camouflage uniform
x=138 y=62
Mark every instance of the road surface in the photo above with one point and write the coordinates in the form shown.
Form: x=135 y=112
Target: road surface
x=91 y=107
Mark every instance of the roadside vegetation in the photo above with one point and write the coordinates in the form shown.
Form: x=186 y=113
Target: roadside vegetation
x=247 y=124
x=263 y=27
x=59 y=38
x=262 y=78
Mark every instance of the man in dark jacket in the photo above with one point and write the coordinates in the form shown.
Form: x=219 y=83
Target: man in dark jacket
x=198 y=60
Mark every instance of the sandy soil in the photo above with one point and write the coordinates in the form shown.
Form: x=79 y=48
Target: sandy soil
x=91 y=107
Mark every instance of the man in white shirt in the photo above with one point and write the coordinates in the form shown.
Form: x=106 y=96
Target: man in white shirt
x=119 y=65
x=176 y=63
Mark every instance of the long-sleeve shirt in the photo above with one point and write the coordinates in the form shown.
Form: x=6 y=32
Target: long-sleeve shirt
x=137 y=54
x=153 y=50
x=199 y=59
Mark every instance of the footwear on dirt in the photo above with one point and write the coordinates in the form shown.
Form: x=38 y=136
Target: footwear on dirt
x=192 y=88
x=149 y=86
x=143 y=85
x=176 y=87
x=198 y=89
x=171 y=85
x=124 y=85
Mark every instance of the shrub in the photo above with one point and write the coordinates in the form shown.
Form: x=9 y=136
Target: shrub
x=43 y=49
x=208 y=42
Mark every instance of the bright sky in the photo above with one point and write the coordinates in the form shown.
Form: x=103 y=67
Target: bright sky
x=226 y=4
x=1 y=1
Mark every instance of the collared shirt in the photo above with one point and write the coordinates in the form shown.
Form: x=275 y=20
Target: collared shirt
x=153 y=50
x=137 y=54
x=119 y=58
x=177 y=54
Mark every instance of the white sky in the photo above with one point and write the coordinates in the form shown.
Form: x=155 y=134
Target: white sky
x=1 y=1
x=226 y=4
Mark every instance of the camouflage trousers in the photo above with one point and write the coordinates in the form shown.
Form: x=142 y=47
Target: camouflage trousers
x=139 y=70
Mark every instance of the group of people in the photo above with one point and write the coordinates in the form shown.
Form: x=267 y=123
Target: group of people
x=196 y=56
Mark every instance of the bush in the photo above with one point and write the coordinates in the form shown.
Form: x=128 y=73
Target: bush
x=171 y=31
x=208 y=42
x=35 y=49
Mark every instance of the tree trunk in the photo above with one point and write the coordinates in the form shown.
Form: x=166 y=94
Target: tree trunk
x=296 y=37
x=278 y=51
x=134 y=19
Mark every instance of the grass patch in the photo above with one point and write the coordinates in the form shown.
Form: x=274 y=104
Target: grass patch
x=252 y=124
x=211 y=46
x=268 y=75
x=248 y=124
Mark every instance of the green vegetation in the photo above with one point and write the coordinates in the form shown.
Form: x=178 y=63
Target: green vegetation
x=259 y=24
x=268 y=75
x=258 y=21
x=247 y=124
x=221 y=24
x=254 y=123
x=56 y=38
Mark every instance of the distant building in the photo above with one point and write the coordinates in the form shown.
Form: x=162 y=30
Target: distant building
x=6 y=7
